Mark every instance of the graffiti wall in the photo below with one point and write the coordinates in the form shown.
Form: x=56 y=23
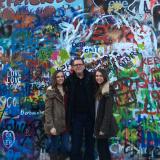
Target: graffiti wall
x=39 y=36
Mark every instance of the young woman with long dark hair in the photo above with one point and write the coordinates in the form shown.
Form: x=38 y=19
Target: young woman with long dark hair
x=55 y=120
x=105 y=124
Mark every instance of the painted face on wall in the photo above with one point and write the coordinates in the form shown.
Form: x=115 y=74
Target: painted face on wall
x=60 y=78
x=78 y=66
x=99 y=77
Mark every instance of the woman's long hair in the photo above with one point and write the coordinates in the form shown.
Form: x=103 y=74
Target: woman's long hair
x=54 y=80
x=99 y=87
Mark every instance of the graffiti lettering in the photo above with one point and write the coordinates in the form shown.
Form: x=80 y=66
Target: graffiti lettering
x=151 y=60
x=14 y=125
x=123 y=3
x=13 y=77
x=80 y=44
x=31 y=113
x=32 y=2
x=140 y=7
x=93 y=49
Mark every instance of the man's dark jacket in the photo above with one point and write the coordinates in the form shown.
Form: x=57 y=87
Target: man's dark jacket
x=71 y=83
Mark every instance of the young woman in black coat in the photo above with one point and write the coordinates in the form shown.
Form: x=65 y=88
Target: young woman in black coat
x=105 y=124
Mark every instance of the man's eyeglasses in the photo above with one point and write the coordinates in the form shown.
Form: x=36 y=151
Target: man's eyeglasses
x=76 y=65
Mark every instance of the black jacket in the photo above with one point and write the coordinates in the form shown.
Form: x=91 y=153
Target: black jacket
x=89 y=92
x=105 y=120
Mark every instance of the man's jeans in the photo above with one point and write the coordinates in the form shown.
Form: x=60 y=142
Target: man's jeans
x=82 y=131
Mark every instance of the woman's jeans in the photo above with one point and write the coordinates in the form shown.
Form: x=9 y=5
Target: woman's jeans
x=103 y=149
x=60 y=144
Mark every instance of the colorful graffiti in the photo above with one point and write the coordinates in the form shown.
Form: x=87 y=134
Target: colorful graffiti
x=39 y=37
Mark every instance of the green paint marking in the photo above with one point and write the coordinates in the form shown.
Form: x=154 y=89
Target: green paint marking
x=64 y=56
x=141 y=46
x=44 y=53
x=52 y=70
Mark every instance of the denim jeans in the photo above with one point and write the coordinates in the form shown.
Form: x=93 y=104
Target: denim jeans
x=60 y=144
x=82 y=131
x=103 y=149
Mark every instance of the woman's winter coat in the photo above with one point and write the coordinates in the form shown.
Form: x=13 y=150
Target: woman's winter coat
x=54 y=111
x=105 y=120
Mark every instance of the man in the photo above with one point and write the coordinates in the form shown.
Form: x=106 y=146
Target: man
x=81 y=110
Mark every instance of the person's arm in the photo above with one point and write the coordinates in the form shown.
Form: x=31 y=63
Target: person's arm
x=68 y=101
x=49 y=126
x=108 y=111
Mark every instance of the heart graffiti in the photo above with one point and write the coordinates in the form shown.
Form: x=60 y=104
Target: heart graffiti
x=8 y=138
